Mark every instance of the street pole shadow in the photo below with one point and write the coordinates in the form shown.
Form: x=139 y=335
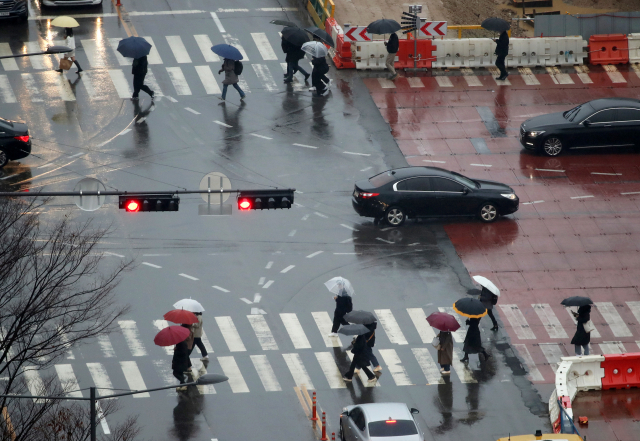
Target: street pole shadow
x=443 y=402
x=233 y=134
x=190 y=404
x=366 y=393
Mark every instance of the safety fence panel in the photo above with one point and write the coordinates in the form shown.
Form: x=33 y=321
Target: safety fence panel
x=621 y=371
x=370 y=54
x=452 y=53
x=566 y=51
x=527 y=52
x=634 y=47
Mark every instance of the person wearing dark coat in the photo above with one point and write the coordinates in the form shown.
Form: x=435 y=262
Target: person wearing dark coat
x=489 y=299
x=343 y=305
x=370 y=338
x=502 y=50
x=180 y=362
x=294 y=55
x=318 y=75
x=392 y=48
x=230 y=78
x=445 y=352
x=360 y=360
x=473 y=340
x=139 y=71
x=582 y=338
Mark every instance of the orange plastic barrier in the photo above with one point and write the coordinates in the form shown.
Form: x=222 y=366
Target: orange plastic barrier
x=405 y=54
x=608 y=49
x=342 y=58
x=621 y=371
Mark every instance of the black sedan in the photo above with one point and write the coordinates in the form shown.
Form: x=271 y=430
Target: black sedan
x=606 y=122
x=15 y=142
x=413 y=192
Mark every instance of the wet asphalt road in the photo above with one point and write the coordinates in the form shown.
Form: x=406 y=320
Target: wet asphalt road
x=252 y=264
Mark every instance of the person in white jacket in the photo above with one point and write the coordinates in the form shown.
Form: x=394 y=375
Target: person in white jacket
x=197 y=336
x=70 y=42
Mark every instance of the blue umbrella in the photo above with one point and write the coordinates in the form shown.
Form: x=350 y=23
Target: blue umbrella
x=227 y=51
x=134 y=47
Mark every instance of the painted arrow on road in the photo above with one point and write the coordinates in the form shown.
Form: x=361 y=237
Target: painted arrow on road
x=434 y=28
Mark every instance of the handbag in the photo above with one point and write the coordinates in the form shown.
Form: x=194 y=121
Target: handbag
x=65 y=63
x=588 y=326
x=435 y=343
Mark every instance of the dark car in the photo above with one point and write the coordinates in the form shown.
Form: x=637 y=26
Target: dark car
x=15 y=142
x=413 y=192
x=14 y=9
x=606 y=122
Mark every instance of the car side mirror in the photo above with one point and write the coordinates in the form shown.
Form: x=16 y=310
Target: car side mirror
x=465 y=190
x=345 y=413
x=586 y=123
x=414 y=410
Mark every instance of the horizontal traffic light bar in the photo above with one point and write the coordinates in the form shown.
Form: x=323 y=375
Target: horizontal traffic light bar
x=265 y=199
x=130 y=193
x=145 y=202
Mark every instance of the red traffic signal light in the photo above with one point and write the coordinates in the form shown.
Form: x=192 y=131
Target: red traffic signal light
x=132 y=206
x=265 y=199
x=244 y=204
x=134 y=203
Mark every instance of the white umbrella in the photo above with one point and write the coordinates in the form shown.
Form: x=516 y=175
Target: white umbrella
x=483 y=281
x=339 y=286
x=189 y=305
x=315 y=48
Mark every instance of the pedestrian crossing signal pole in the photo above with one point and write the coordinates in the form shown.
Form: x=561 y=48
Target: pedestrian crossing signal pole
x=412 y=23
x=92 y=397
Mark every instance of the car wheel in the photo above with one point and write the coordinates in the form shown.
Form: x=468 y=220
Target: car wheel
x=488 y=212
x=3 y=158
x=395 y=216
x=552 y=146
x=341 y=433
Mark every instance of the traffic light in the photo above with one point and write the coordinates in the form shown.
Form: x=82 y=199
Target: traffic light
x=264 y=199
x=148 y=202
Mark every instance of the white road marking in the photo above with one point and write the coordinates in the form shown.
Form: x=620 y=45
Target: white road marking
x=496 y=72
x=481 y=165
x=583 y=74
x=305 y=146
x=256 y=298
x=414 y=82
x=594 y=333
x=444 y=81
x=324 y=323
x=221 y=123
x=612 y=347
x=123 y=61
x=230 y=369
x=88 y=81
x=164 y=372
x=188 y=276
x=614 y=74
x=613 y=319
x=113 y=254
x=204 y=44
x=261 y=281
x=269 y=264
x=287 y=269
x=208 y=80
x=295 y=330
x=100 y=378
x=358 y=154
x=68 y=380
x=292 y=233
x=172 y=99
x=344 y=254
x=266 y=374
x=607 y=174
x=177 y=47
x=419 y=320
x=230 y=334
x=552 y=353
x=528 y=77
x=385 y=83
x=635 y=310
x=219 y=288
x=34 y=383
x=62 y=84
x=218 y=23
x=383 y=240
x=470 y=78
x=518 y=322
x=132 y=336
x=263 y=333
x=155 y=255
x=259 y=136
x=330 y=370
x=298 y=371
x=247 y=301
x=462 y=370
x=264 y=75
x=151 y=265
x=262 y=42
x=363 y=377
x=154 y=56
x=582 y=197
x=160 y=325
x=206 y=343
x=534 y=372
x=151 y=81
x=435 y=162
x=38 y=62
x=105 y=346
x=231 y=40
x=120 y=83
x=257 y=311
x=366 y=168
x=32 y=88
x=394 y=364
x=314 y=254
x=124 y=132
x=348 y=227
x=321 y=215
x=631 y=192
x=459 y=335
x=428 y=366
x=549 y=320
x=189 y=109
x=179 y=81
x=77 y=154
x=94 y=50
x=549 y=170
x=268 y=284
x=530 y=203
x=390 y=326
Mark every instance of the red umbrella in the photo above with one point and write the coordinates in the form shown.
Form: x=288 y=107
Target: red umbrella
x=171 y=335
x=181 y=316
x=443 y=322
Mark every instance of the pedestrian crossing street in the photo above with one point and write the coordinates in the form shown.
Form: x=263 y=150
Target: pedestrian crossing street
x=178 y=66
x=277 y=352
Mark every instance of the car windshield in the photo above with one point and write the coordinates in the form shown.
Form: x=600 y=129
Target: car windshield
x=397 y=428
x=464 y=180
x=578 y=113
x=382 y=179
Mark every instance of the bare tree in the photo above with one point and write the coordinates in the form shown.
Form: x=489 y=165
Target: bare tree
x=54 y=295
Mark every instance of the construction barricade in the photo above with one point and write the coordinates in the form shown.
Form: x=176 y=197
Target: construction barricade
x=404 y=56
x=370 y=54
x=526 y=52
x=621 y=371
x=565 y=51
x=608 y=49
x=633 y=40
x=341 y=55
x=451 y=53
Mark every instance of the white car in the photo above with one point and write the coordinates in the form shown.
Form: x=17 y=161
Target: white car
x=368 y=422
x=70 y=2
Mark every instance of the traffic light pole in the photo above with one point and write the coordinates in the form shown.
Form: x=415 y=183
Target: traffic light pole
x=127 y=193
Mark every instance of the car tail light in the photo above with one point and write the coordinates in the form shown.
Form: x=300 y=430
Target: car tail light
x=368 y=195
x=391 y=421
x=24 y=138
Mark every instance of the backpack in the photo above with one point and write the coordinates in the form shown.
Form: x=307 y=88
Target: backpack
x=237 y=67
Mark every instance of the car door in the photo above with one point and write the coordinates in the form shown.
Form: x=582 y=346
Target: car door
x=600 y=130
x=451 y=197
x=415 y=196
x=629 y=125
x=355 y=427
x=6 y=134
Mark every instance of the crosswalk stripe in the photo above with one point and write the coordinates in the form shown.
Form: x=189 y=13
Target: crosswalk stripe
x=154 y=56
x=264 y=47
x=297 y=85
x=295 y=330
x=444 y=81
x=264 y=75
x=266 y=374
x=386 y=83
x=204 y=44
x=460 y=334
x=419 y=319
x=330 y=369
x=65 y=341
x=151 y=81
x=132 y=337
x=134 y=378
x=298 y=371
x=123 y=61
x=100 y=378
x=7 y=63
x=324 y=323
x=534 y=372
x=394 y=364
x=62 y=83
x=552 y=353
x=179 y=81
x=415 y=82
x=68 y=380
x=6 y=91
x=470 y=77
x=206 y=343
x=583 y=74
x=160 y=325
x=528 y=77
x=230 y=334
x=594 y=333
x=34 y=382
x=495 y=72
x=262 y=331
x=93 y=52
x=428 y=366
x=363 y=377
x=614 y=74
x=549 y=320
x=177 y=47
x=559 y=77
x=231 y=40
x=612 y=347
x=208 y=80
x=163 y=369
x=10 y=351
x=608 y=311
x=635 y=310
x=462 y=370
x=38 y=62
x=218 y=23
x=390 y=326
x=230 y=369
x=105 y=346
x=120 y=83
x=89 y=83
x=32 y=88
x=518 y=322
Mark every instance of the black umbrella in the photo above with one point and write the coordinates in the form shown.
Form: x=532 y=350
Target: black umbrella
x=322 y=35
x=134 y=47
x=353 y=330
x=383 y=26
x=295 y=35
x=283 y=23
x=361 y=317
x=576 y=301
x=496 y=24
x=470 y=307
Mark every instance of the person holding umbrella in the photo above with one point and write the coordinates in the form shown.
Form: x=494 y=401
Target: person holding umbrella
x=70 y=42
x=196 y=321
x=582 y=337
x=292 y=40
x=232 y=67
x=176 y=335
x=445 y=323
x=359 y=351
x=488 y=297
x=392 y=48
x=344 y=304
x=197 y=336
x=502 y=50
x=137 y=48
x=474 y=310
x=139 y=71
x=371 y=323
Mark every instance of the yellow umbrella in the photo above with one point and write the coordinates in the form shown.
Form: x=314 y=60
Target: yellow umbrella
x=65 y=22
